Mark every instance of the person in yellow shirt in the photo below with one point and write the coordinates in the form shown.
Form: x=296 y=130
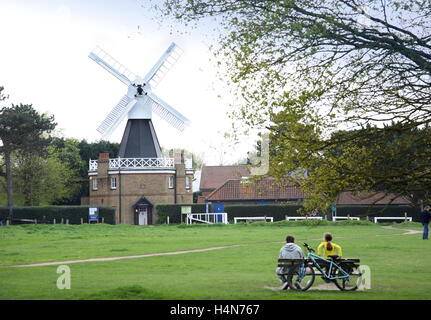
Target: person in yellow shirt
x=328 y=248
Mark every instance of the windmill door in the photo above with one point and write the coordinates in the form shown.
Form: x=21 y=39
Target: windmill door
x=143 y=216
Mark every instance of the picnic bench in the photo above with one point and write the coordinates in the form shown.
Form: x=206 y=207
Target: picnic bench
x=289 y=263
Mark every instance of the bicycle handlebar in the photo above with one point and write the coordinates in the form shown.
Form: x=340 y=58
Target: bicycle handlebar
x=308 y=247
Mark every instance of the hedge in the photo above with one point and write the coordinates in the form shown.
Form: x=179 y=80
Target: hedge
x=72 y=213
x=277 y=211
x=174 y=211
x=379 y=210
x=280 y=211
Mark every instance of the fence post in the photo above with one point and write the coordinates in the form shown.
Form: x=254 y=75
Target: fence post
x=167 y=219
x=61 y=220
x=103 y=219
x=405 y=217
x=35 y=221
x=67 y=221
x=53 y=221
x=82 y=220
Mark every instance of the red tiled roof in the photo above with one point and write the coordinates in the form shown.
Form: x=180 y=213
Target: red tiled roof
x=265 y=189
x=213 y=177
x=369 y=198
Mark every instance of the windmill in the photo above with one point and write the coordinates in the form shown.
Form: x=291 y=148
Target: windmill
x=139 y=138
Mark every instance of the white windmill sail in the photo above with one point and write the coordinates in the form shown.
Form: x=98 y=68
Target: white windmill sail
x=169 y=114
x=136 y=103
x=165 y=63
x=113 y=66
x=115 y=117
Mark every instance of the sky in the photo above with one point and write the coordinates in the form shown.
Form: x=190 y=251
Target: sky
x=44 y=48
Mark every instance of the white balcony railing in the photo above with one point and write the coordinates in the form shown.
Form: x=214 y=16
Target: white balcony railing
x=140 y=163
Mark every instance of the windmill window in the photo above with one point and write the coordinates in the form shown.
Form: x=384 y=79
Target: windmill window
x=94 y=184
x=171 y=182
x=187 y=182
x=113 y=183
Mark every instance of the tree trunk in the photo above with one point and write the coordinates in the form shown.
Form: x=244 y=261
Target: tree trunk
x=9 y=186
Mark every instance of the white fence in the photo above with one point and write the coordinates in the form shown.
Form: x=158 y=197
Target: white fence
x=303 y=218
x=140 y=163
x=345 y=218
x=248 y=219
x=136 y=163
x=392 y=218
x=209 y=218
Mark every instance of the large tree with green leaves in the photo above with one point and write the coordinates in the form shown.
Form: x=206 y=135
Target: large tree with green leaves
x=53 y=178
x=318 y=73
x=23 y=130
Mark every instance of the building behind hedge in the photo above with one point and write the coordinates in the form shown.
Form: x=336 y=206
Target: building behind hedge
x=263 y=191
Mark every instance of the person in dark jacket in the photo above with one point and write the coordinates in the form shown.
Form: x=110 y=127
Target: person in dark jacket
x=425 y=219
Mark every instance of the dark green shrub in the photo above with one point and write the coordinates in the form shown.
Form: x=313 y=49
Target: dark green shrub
x=378 y=210
x=72 y=213
x=174 y=211
x=277 y=211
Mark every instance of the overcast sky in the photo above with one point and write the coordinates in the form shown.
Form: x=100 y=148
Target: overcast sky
x=44 y=47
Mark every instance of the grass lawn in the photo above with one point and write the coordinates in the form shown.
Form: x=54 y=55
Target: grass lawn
x=400 y=264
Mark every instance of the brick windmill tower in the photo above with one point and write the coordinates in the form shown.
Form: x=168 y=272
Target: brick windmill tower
x=140 y=176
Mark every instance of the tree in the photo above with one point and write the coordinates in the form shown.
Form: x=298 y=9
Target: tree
x=52 y=179
x=22 y=129
x=197 y=161
x=89 y=151
x=307 y=69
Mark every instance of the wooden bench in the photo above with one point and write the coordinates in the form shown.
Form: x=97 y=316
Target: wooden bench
x=288 y=263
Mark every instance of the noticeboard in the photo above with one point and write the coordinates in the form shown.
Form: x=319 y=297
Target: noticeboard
x=93 y=214
x=186 y=209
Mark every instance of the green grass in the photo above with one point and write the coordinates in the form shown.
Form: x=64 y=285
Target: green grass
x=400 y=267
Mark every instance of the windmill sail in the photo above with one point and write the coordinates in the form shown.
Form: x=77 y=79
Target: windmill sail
x=113 y=66
x=165 y=63
x=139 y=103
x=115 y=116
x=169 y=114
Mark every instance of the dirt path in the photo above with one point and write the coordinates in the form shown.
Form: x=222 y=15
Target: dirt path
x=407 y=231
x=43 y=264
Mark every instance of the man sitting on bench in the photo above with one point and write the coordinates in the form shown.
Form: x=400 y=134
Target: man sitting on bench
x=289 y=251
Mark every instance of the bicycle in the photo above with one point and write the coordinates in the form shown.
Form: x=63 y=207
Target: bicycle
x=345 y=273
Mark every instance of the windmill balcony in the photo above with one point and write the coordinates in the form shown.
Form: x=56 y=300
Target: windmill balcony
x=140 y=163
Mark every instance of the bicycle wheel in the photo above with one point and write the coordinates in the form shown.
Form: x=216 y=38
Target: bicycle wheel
x=352 y=282
x=302 y=279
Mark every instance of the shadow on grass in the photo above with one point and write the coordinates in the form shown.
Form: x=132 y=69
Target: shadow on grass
x=133 y=292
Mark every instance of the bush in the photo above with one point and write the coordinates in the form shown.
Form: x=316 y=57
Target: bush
x=280 y=211
x=379 y=210
x=277 y=211
x=72 y=213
